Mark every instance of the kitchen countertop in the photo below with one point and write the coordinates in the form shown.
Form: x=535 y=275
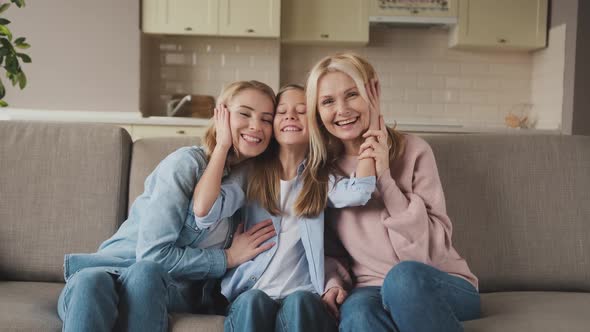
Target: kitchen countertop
x=136 y=118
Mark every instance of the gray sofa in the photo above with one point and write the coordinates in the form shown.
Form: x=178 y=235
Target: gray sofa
x=520 y=205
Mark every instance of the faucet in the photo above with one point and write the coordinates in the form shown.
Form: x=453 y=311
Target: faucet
x=172 y=111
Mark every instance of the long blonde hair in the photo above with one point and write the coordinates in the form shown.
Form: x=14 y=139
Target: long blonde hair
x=325 y=149
x=264 y=178
x=225 y=97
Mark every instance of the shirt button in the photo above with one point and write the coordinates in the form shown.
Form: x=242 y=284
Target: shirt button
x=253 y=278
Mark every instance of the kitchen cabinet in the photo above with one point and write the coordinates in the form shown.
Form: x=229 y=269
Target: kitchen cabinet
x=327 y=21
x=250 y=18
x=180 y=17
x=145 y=131
x=245 y=18
x=380 y=8
x=501 y=24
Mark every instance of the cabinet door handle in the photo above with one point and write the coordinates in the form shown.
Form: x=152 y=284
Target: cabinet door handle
x=325 y=35
x=188 y=29
x=250 y=30
x=180 y=132
x=502 y=40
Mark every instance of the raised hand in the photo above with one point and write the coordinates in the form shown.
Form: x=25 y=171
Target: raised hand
x=373 y=89
x=247 y=245
x=376 y=146
x=222 y=128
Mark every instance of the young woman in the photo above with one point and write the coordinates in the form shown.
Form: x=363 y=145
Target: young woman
x=279 y=290
x=408 y=275
x=154 y=262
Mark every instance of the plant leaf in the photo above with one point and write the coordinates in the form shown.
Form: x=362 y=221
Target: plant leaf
x=4 y=21
x=23 y=46
x=19 y=3
x=24 y=57
x=6 y=32
x=19 y=40
x=22 y=80
x=3 y=103
x=4 y=7
x=7 y=45
x=2 y=90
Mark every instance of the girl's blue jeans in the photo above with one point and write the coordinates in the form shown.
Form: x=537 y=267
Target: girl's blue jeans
x=414 y=297
x=254 y=311
x=138 y=299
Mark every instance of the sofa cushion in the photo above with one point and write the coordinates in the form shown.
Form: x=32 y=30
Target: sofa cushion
x=147 y=154
x=532 y=311
x=29 y=306
x=520 y=208
x=195 y=323
x=63 y=189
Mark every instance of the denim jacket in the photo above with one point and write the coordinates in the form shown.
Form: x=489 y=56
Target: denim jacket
x=162 y=227
x=344 y=192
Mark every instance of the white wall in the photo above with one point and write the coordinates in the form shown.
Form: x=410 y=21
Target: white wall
x=85 y=55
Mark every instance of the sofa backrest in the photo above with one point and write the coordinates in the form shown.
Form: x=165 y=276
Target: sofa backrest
x=63 y=189
x=147 y=154
x=520 y=206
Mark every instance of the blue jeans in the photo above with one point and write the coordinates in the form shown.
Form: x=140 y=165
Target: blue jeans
x=414 y=297
x=254 y=311
x=136 y=300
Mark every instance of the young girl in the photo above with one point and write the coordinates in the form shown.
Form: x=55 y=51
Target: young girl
x=279 y=289
x=153 y=263
x=408 y=275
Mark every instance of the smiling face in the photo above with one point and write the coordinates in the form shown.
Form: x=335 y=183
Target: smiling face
x=290 y=122
x=343 y=111
x=251 y=117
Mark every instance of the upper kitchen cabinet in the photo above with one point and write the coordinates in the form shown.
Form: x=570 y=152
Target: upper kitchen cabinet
x=250 y=18
x=180 y=17
x=325 y=21
x=243 y=18
x=501 y=24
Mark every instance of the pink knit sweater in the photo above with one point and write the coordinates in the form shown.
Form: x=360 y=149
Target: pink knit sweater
x=405 y=220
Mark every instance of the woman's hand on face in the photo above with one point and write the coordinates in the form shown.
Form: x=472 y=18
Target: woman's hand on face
x=333 y=299
x=373 y=89
x=247 y=245
x=376 y=147
x=223 y=136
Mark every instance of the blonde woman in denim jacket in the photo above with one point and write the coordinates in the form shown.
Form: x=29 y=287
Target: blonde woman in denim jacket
x=158 y=259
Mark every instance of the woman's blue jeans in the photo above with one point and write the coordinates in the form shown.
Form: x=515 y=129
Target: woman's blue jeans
x=414 y=297
x=254 y=311
x=138 y=299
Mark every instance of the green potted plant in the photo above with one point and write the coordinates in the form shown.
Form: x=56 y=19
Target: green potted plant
x=9 y=56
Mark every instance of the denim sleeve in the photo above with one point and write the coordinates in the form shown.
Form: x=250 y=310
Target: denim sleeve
x=351 y=191
x=170 y=187
x=231 y=198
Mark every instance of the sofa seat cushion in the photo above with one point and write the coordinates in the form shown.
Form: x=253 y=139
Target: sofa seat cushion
x=195 y=323
x=29 y=306
x=532 y=311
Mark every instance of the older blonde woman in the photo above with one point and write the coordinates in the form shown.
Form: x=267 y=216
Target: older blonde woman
x=408 y=275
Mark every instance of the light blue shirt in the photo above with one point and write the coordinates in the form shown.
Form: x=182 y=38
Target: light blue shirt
x=162 y=227
x=345 y=192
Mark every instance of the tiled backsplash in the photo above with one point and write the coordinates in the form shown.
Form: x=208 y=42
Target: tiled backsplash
x=423 y=81
x=202 y=65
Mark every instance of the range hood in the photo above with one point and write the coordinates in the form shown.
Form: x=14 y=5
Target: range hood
x=413 y=12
